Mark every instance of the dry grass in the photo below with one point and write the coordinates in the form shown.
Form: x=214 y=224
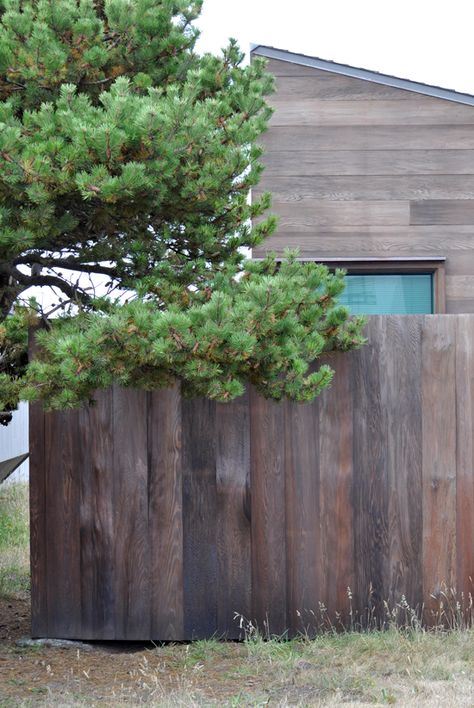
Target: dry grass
x=378 y=668
x=406 y=667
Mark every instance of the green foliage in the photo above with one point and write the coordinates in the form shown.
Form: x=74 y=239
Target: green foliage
x=264 y=328
x=14 y=539
x=13 y=357
x=14 y=530
x=124 y=154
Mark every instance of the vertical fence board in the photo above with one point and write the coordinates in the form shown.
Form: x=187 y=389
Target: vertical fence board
x=267 y=474
x=154 y=517
x=303 y=536
x=38 y=544
x=439 y=458
x=166 y=514
x=233 y=516
x=465 y=455
x=401 y=386
x=336 y=472
x=95 y=451
x=199 y=518
x=370 y=489
x=62 y=525
x=132 y=543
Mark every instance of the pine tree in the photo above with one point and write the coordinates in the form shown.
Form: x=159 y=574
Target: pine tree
x=126 y=156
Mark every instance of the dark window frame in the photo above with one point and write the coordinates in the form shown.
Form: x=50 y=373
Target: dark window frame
x=436 y=266
x=397 y=266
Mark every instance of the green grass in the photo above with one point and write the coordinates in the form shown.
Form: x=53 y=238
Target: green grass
x=14 y=540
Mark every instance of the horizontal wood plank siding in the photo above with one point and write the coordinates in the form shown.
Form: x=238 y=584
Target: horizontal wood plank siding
x=316 y=112
x=339 y=88
x=189 y=515
x=326 y=84
x=369 y=137
x=367 y=162
x=352 y=153
x=318 y=212
x=442 y=211
x=371 y=188
x=387 y=244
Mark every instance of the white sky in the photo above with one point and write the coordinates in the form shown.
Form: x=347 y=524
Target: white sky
x=431 y=41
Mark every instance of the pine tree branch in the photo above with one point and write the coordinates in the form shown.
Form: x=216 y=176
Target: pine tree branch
x=108 y=79
x=67 y=264
x=73 y=292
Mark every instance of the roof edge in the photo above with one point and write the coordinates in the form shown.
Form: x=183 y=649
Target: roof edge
x=7 y=467
x=364 y=74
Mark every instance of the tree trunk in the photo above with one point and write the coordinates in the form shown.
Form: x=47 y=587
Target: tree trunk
x=9 y=292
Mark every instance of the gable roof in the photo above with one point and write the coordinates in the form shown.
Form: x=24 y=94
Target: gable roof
x=364 y=74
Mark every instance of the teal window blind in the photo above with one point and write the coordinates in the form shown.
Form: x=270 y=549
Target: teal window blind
x=389 y=294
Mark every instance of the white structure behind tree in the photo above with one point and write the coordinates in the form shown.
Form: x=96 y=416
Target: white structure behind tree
x=14 y=441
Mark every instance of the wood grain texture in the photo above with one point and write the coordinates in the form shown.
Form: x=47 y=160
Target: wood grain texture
x=457 y=307
x=336 y=410
x=166 y=513
x=464 y=457
x=347 y=152
x=304 y=190
x=96 y=516
x=442 y=211
x=378 y=242
x=369 y=162
x=312 y=214
x=199 y=518
x=302 y=514
x=318 y=113
x=370 y=486
x=439 y=458
x=459 y=263
x=395 y=232
x=155 y=517
x=323 y=85
x=374 y=137
x=233 y=517
x=459 y=287
x=400 y=359
x=267 y=474
x=297 y=81
x=316 y=243
x=63 y=582
x=285 y=68
x=131 y=539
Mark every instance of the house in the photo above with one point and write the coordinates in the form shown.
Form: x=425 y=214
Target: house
x=154 y=516
x=375 y=174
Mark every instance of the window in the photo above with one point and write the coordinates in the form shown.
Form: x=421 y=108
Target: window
x=393 y=286
x=389 y=294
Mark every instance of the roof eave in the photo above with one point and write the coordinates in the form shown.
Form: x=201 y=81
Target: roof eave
x=364 y=74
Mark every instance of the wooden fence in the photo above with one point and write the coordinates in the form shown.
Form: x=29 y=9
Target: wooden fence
x=158 y=517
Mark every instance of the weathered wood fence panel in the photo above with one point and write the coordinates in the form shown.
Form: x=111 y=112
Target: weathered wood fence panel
x=155 y=517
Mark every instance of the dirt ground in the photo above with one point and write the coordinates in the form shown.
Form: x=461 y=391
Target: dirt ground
x=372 y=669
x=404 y=666
x=104 y=674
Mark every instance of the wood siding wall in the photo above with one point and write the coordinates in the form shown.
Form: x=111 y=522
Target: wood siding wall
x=362 y=170
x=157 y=517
